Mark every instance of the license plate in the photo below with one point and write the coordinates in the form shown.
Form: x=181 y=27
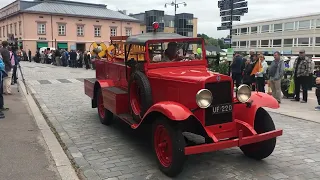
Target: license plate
x=222 y=108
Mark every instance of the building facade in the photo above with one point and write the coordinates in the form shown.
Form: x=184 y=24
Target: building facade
x=186 y=22
x=63 y=24
x=286 y=35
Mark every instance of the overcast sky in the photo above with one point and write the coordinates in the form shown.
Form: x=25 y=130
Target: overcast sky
x=207 y=11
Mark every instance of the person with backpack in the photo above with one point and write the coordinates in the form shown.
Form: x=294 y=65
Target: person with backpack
x=236 y=69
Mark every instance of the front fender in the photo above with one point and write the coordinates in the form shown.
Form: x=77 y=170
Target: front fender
x=173 y=110
x=247 y=114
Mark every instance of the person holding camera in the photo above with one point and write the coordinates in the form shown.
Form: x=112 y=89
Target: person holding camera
x=5 y=56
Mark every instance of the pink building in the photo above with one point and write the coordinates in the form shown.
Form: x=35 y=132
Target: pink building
x=63 y=24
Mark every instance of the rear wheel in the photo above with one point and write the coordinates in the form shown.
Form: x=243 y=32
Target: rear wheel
x=169 y=144
x=105 y=116
x=263 y=123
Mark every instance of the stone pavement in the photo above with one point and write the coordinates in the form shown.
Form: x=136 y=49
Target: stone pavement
x=117 y=152
x=23 y=152
x=300 y=110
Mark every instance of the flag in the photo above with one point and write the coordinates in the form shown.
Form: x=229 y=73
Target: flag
x=257 y=68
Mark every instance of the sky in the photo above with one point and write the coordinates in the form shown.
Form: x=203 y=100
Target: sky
x=207 y=11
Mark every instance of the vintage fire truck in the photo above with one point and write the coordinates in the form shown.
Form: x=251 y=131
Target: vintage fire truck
x=158 y=79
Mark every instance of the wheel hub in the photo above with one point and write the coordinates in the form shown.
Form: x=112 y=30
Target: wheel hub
x=163 y=146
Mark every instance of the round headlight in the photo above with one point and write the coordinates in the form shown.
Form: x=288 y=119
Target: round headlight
x=244 y=93
x=204 y=98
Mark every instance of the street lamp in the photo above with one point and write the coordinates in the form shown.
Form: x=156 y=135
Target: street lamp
x=176 y=5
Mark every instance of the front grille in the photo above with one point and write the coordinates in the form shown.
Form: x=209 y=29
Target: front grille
x=221 y=92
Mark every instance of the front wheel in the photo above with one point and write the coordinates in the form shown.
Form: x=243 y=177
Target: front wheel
x=105 y=116
x=168 y=144
x=263 y=123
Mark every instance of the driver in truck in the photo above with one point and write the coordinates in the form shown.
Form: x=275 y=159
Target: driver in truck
x=170 y=54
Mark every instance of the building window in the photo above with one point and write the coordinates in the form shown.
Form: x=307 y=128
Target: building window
x=113 y=31
x=20 y=31
x=243 y=44
x=317 y=41
x=41 y=28
x=15 y=29
x=190 y=34
x=265 y=28
x=254 y=30
x=234 y=31
x=190 y=22
x=253 y=43
x=277 y=27
x=80 y=31
x=97 y=31
x=244 y=30
x=171 y=23
x=61 y=29
x=287 y=42
x=317 y=23
x=304 y=24
x=302 y=42
x=289 y=26
x=277 y=42
x=235 y=44
x=128 y=31
x=264 y=43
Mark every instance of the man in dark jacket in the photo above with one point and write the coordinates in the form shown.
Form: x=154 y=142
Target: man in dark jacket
x=73 y=59
x=301 y=72
x=29 y=55
x=318 y=91
x=236 y=69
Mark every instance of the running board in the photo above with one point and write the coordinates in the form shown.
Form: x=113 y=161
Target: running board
x=129 y=120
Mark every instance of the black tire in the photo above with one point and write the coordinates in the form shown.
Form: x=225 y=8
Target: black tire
x=107 y=119
x=177 y=146
x=263 y=123
x=145 y=92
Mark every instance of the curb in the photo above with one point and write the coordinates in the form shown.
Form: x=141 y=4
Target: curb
x=294 y=117
x=62 y=162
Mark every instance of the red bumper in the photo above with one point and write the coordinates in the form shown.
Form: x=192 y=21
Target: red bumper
x=240 y=141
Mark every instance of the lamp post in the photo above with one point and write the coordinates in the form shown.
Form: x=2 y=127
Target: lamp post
x=176 y=5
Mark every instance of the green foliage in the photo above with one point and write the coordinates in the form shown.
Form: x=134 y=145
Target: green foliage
x=213 y=42
x=222 y=68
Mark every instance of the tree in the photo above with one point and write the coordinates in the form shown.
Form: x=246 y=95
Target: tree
x=213 y=42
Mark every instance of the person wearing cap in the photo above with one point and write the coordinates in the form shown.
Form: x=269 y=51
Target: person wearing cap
x=301 y=72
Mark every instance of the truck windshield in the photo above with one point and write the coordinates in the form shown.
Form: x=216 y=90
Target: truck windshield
x=175 y=51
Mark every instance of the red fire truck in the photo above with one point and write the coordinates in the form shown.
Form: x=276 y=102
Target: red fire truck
x=158 y=79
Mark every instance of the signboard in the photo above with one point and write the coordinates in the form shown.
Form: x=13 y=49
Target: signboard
x=236 y=12
x=228 y=24
x=235 y=6
x=223 y=28
x=223 y=2
x=230 y=53
x=228 y=18
x=227 y=41
x=73 y=47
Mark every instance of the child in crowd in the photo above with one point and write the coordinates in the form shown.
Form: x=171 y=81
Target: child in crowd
x=318 y=91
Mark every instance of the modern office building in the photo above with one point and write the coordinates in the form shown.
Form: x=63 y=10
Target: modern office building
x=286 y=35
x=63 y=24
x=186 y=23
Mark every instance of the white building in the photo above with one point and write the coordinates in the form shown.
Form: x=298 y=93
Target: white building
x=286 y=35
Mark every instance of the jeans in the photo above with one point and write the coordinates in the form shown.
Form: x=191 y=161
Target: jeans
x=1 y=92
x=301 y=81
x=237 y=77
x=14 y=74
x=260 y=83
x=318 y=95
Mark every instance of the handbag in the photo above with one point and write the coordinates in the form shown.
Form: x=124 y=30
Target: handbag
x=291 y=87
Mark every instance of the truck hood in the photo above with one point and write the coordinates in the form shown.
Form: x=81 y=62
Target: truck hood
x=189 y=74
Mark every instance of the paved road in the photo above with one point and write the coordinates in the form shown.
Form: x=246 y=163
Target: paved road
x=117 y=152
x=23 y=151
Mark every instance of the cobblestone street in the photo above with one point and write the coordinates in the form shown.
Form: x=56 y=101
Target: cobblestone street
x=117 y=152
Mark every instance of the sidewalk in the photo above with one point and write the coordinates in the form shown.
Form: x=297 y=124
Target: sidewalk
x=300 y=110
x=23 y=151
